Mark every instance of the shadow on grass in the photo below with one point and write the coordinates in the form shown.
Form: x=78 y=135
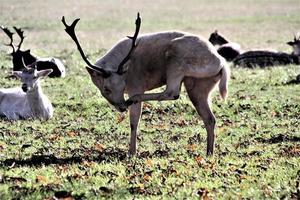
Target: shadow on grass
x=95 y=156
x=106 y=155
x=279 y=139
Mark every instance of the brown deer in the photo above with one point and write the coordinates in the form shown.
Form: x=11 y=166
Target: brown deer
x=18 y=56
x=138 y=64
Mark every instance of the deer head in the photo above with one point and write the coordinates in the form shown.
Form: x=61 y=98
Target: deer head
x=296 y=45
x=110 y=83
x=217 y=39
x=30 y=77
x=17 y=54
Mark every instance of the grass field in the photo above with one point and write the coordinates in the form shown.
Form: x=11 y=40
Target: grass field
x=81 y=152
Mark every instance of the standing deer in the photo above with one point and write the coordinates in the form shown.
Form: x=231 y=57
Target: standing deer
x=138 y=64
x=28 y=102
x=18 y=56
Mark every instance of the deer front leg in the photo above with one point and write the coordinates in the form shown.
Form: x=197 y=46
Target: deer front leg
x=172 y=92
x=134 y=113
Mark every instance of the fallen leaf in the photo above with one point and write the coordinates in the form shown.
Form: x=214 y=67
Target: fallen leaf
x=71 y=134
x=204 y=194
x=54 y=137
x=267 y=190
x=147 y=177
x=181 y=122
x=273 y=113
x=88 y=163
x=99 y=147
x=2 y=146
x=199 y=160
x=191 y=147
x=149 y=163
x=40 y=179
x=120 y=118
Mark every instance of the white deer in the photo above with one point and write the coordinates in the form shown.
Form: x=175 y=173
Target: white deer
x=28 y=102
x=165 y=58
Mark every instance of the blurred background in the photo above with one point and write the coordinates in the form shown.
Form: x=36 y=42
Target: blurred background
x=252 y=23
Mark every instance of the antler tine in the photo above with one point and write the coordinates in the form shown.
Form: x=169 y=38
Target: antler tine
x=30 y=66
x=21 y=35
x=71 y=29
x=71 y=32
x=24 y=64
x=133 y=46
x=10 y=35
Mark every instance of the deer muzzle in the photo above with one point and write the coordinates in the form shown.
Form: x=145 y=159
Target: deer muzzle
x=24 y=88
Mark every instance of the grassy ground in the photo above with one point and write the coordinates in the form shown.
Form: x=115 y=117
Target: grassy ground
x=81 y=152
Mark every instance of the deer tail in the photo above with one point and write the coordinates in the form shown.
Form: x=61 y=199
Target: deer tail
x=223 y=85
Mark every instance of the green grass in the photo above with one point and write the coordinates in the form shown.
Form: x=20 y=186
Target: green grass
x=81 y=152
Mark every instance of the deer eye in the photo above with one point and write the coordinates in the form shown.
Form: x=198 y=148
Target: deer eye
x=106 y=90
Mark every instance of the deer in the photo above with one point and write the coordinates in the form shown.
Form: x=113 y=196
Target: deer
x=58 y=69
x=138 y=64
x=229 y=50
x=267 y=58
x=29 y=101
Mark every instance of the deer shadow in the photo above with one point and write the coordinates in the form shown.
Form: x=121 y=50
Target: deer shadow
x=279 y=139
x=40 y=159
x=107 y=155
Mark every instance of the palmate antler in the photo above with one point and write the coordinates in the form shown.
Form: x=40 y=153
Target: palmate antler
x=21 y=35
x=10 y=35
x=70 y=29
x=71 y=32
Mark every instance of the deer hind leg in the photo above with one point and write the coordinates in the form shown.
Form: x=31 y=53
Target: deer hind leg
x=198 y=91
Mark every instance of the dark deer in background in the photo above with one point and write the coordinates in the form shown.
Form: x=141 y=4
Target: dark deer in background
x=228 y=50
x=265 y=58
x=138 y=64
x=42 y=63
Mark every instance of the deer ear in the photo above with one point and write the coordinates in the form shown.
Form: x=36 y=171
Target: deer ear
x=44 y=73
x=93 y=72
x=17 y=74
x=290 y=43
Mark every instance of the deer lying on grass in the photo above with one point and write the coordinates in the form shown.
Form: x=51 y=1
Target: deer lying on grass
x=138 y=64
x=229 y=50
x=265 y=58
x=18 y=56
x=28 y=102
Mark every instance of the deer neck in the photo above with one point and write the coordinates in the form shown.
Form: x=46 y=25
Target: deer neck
x=296 y=50
x=35 y=98
x=111 y=60
x=296 y=54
